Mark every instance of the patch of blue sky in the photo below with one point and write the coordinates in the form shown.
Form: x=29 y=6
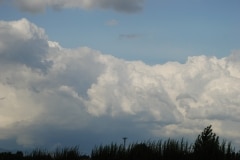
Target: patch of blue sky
x=163 y=31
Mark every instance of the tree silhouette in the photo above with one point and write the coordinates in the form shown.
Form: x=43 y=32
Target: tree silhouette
x=207 y=146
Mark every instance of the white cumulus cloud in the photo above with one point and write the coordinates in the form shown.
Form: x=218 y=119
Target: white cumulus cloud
x=28 y=44
x=81 y=93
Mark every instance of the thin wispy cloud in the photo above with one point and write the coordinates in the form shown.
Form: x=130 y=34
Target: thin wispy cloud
x=112 y=22
x=129 y=36
x=86 y=94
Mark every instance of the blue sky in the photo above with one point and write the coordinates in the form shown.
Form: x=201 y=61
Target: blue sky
x=91 y=72
x=163 y=30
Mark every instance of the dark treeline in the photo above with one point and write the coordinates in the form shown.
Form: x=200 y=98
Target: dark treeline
x=206 y=147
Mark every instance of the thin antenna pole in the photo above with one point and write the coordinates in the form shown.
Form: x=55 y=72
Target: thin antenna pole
x=124 y=142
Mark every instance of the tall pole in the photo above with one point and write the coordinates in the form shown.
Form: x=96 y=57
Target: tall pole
x=124 y=142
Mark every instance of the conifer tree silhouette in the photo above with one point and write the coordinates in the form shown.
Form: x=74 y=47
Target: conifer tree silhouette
x=206 y=146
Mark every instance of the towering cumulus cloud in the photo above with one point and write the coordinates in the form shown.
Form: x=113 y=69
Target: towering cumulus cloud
x=77 y=93
x=22 y=42
x=128 y=6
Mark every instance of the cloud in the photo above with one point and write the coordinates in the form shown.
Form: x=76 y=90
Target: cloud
x=86 y=97
x=29 y=41
x=127 y=6
x=129 y=36
x=112 y=22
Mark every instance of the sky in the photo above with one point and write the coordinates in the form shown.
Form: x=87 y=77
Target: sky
x=89 y=72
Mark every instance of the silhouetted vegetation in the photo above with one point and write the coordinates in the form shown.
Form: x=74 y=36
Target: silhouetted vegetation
x=206 y=147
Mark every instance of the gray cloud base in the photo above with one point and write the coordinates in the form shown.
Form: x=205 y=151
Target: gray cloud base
x=88 y=98
x=126 y=6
